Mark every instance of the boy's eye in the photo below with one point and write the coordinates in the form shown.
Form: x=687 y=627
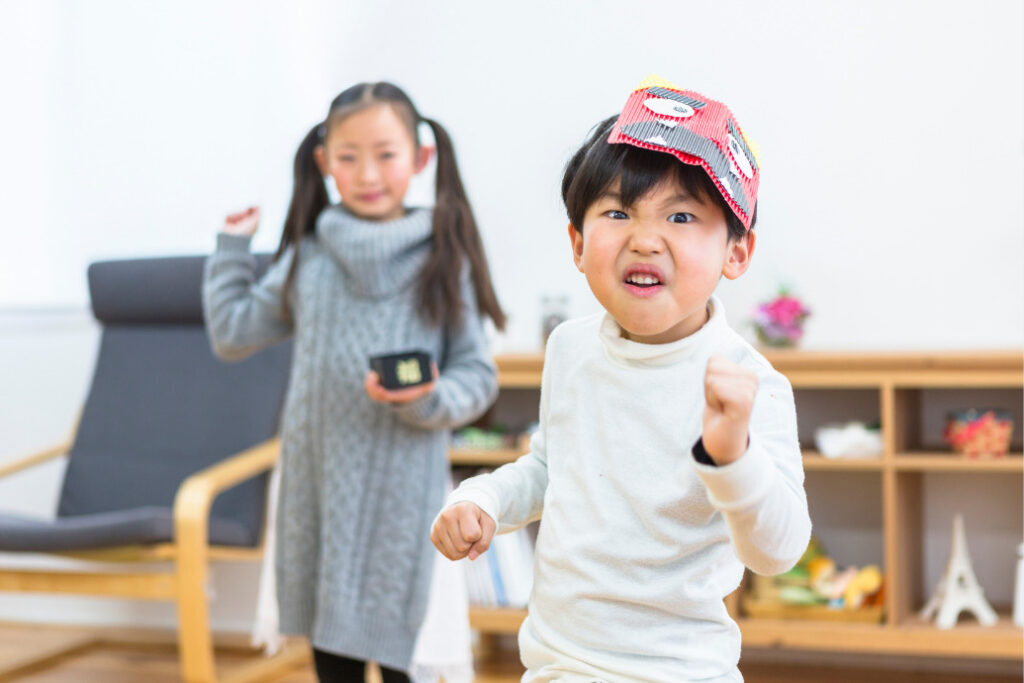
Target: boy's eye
x=347 y=159
x=616 y=214
x=681 y=217
x=387 y=155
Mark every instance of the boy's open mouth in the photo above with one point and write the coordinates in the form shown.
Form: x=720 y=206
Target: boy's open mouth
x=643 y=279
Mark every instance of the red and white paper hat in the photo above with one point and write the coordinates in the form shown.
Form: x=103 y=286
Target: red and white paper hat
x=699 y=131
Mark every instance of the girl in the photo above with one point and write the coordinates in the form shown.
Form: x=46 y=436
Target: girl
x=363 y=467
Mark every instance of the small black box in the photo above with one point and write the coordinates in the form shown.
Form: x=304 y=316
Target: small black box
x=403 y=370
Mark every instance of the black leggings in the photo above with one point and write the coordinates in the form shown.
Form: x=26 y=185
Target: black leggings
x=331 y=668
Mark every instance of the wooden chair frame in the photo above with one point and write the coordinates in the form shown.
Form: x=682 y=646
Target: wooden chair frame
x=185 y=584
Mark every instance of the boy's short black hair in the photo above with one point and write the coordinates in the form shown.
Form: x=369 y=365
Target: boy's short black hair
x=597 y=164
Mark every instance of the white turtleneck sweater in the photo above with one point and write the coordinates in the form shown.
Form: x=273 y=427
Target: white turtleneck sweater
x=639 y=542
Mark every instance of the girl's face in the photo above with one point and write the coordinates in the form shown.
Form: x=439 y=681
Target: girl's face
x=372 y=157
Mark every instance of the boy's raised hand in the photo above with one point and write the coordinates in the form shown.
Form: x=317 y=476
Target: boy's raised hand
x=729 y=392
x=243 y=223
x=461 y=530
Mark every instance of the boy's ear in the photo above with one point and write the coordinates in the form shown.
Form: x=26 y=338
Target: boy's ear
x=321 y=161
x=423 y=157
x=738 y=255
x=576 y=238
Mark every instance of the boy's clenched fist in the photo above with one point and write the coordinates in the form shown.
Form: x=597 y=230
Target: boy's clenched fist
x=461 y=530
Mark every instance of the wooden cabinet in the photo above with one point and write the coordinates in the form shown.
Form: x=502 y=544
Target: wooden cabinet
x=893 y=510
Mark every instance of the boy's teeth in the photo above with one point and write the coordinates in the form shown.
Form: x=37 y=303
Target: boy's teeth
x=643 y=280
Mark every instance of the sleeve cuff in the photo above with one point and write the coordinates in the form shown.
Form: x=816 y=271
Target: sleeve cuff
x=738 y=484
x=700 y=454
x=233 y=243
x=421 y=409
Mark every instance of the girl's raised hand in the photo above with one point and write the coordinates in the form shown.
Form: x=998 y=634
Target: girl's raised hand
x=376 y=391
x=461 y=530
x=243 y=223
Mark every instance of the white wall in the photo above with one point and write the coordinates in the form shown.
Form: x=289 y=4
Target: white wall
x=890 y=135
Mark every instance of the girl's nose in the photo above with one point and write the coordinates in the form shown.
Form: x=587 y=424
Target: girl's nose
x=368 y=172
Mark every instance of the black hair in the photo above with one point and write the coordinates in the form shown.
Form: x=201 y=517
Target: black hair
x=597 y=164
x=455 y=235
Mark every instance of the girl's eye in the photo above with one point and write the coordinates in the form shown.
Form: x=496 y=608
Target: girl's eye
x=616 y=214
x=387 y=155
x=347 y=159
x=681 y=217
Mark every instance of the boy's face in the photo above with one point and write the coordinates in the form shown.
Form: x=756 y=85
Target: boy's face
x=654 y=265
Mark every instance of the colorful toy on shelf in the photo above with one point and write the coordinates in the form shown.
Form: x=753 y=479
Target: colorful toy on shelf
x=817 y=588
x=850 y=440
x=495 y=438
x=978 y=434
x=958 y=589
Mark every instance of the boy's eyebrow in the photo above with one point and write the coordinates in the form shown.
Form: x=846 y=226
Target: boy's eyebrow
x=683 y=197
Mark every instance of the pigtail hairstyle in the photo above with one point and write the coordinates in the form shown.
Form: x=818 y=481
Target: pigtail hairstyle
x=309 y=198
x=454 y=235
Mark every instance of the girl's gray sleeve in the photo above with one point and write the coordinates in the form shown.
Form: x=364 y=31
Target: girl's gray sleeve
x=468 y=382
x=243 y=315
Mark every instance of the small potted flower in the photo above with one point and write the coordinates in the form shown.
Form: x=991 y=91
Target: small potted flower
x=780 y=322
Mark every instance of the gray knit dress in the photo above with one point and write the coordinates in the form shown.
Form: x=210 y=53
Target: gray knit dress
x=361 y=482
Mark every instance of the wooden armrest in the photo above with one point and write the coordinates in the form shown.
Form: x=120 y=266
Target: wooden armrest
x=195 y=495
x=34 y=459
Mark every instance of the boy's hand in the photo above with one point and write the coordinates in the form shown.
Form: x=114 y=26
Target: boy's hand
x=463 y=530
x=729 y=392
x=376 y=391
x=243 y=223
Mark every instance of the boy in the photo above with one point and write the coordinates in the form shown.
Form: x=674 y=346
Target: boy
x=667 y=457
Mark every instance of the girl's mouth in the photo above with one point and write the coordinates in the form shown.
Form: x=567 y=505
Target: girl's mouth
x=371 y=197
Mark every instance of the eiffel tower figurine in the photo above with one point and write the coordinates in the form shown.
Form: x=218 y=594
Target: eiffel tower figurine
x=958 y=590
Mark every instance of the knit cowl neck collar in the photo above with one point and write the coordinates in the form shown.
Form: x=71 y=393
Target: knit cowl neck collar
x=378 y=258
x=695 y=346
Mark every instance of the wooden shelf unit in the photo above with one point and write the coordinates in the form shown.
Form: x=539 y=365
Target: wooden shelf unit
x=898 y=380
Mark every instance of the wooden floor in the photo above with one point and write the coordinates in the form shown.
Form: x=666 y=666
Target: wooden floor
x=153 y=660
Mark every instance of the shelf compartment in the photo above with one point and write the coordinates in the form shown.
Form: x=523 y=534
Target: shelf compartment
x=820 y=406
x=923 y=412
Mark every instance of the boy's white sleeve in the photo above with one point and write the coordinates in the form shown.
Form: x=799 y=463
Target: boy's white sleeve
x=513 y=495
x=761 y=495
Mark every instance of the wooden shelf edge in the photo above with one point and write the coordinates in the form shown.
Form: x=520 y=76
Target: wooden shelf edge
x=496 y=619
x=947 y=462
x=482 y=457
x=1003 y=641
